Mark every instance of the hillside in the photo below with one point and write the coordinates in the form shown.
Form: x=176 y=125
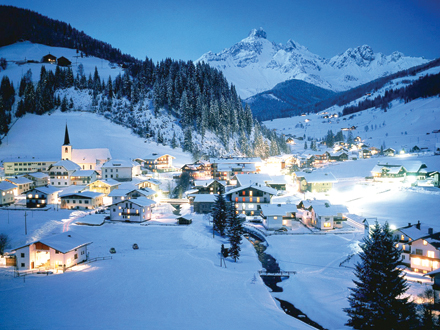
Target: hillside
x=401 y=126
x=255 y=64
x=291 y=97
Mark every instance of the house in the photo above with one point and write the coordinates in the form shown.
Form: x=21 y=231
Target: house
x=389 y=152
x=42 y=196
x=405 y=236
x=200 y=170
x=86 y=200
x=210 y=186
x=158 y=162
x=49 y=58
x=87 y=159
x=120 y=170
x=415 y=170
x=118 y=195
x=61 y=172
x=328 y=216
x=248 y=199
x=19 y=166
x=277 y=216
x=388 y=172
x=245 y=179
x=224 y=169
x=104 y=186
x=39 y=179
x=144 y=192
x=62 y=61
x=425 y=254
x=8 y=191
x=339 y=156
x=203 y=203
x=316 y=181
x=133 y=210
x=184 y=220
x=83 y=177
x=365 y=153
x=56 y=252
x=23 y=184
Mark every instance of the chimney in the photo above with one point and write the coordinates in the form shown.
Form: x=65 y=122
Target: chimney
x=430 y=231
x=409 y=224
x=418 y=225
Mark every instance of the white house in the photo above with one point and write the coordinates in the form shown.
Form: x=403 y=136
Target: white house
x=248 y=199
x=54 y=252
x=158 y=162
x=425 y=256
x=104 y=186
x=276 y=216
x=23 y=184
x=83 y=177
x=61 y=172
x=132 y=210
x=8 y=191
x=86 y=200
x=39 y=179
x=18 y=166
x=120 y=170
x=42 y=196
x=328 y=216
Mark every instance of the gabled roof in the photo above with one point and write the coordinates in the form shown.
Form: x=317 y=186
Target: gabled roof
x=119 y=192
x=415 y=231
x=5 y=185
x=278 y=209
x=154 y=156
x=119 y=163
x=38 y=175
x=20 y=180
x=68 y=165
x=246 y=179
x=144 y=191
x=83 y=194
x=317 y=177
x=141 y=201
x=63 y=242
x=256 y=186
x=204 y=198
x=47 y=189
x=108 y=182
x=84 y=173
x=329 y=210
x=414 y=166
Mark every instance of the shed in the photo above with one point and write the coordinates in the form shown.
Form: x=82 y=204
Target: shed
x=184 y=220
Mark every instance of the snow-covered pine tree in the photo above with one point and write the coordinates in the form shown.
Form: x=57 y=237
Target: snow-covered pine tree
x=377 y=301
x=235 y=230
x=219 y=214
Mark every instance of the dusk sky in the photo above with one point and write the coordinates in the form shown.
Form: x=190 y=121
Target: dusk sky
x=188 y=29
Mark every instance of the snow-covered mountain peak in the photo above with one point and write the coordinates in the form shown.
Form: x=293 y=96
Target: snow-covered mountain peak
x=256 y=64
x=257 y=33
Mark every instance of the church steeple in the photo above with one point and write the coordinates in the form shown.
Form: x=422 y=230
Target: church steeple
x=66 y=137
x=66 y=149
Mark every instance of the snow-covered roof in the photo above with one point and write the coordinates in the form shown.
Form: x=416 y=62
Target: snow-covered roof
x=415 y=231
x=317 y=176
x=38 y=175
x=83 y=194
x=278 y=209
x=47 y=189
x=203 y=183
x=154 y=181
x=119 y=163
x=90 y=155
x=5 y=185
x=145 y=191
x=246 y=179
x=234 y=166
x=84 y=173
x=28 y=160
x=254 y=186
x=20 y=180
x=235 y=160
x=154 y=156
x=204 y=198
x=277 y=179
x=109 y=182
x=63 y=242
x=141 y=201
x=413 y=166
x=67 y=164
x=118 y=192
x=329 y=210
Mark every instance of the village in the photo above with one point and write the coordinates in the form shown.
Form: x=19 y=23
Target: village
x=282 y=195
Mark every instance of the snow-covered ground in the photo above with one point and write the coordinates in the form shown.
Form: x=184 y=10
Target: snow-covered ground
x=86 y=130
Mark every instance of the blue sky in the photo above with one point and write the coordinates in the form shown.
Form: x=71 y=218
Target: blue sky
x=187 y=29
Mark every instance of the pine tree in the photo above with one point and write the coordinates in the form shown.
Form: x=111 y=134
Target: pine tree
x=219 y=214
x=235 y=230
x=376 y=302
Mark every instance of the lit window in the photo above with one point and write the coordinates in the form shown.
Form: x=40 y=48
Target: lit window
x=402 y=238
x=36 y=196
x=425 y=242
x=435 y=264
x=425 y=263
x=430 y=254
x=250 y=193
x=416 y=261
x=327 y=224
x=258 y=199
x=275 y=218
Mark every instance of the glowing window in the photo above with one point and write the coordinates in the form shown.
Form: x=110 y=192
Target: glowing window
x=250 y=193
x=258 y=199
x=435 y=264
x=275 y=218
x=425 y=242
x=430 y=254
x=402 y=237
x=416 y=261
x=250 y=199
x=425 y=263
x=327 y=224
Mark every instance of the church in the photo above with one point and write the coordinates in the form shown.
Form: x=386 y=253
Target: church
x=87 y=159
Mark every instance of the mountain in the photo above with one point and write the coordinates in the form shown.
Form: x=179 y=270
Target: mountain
x=256 y=64
x=288 y=98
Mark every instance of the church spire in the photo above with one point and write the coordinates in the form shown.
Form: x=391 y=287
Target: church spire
x=66 y=137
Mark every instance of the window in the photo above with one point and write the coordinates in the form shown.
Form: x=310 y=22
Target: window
x=425 y=242
x=402 y=238
x=327 y=224
x=416 y=261
x=23 y=265
x=236 y=199
x=419 y=252
x=76 y=256
x=275 y=218
x=425 y=263
x=22 y=255
x=430 y=254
